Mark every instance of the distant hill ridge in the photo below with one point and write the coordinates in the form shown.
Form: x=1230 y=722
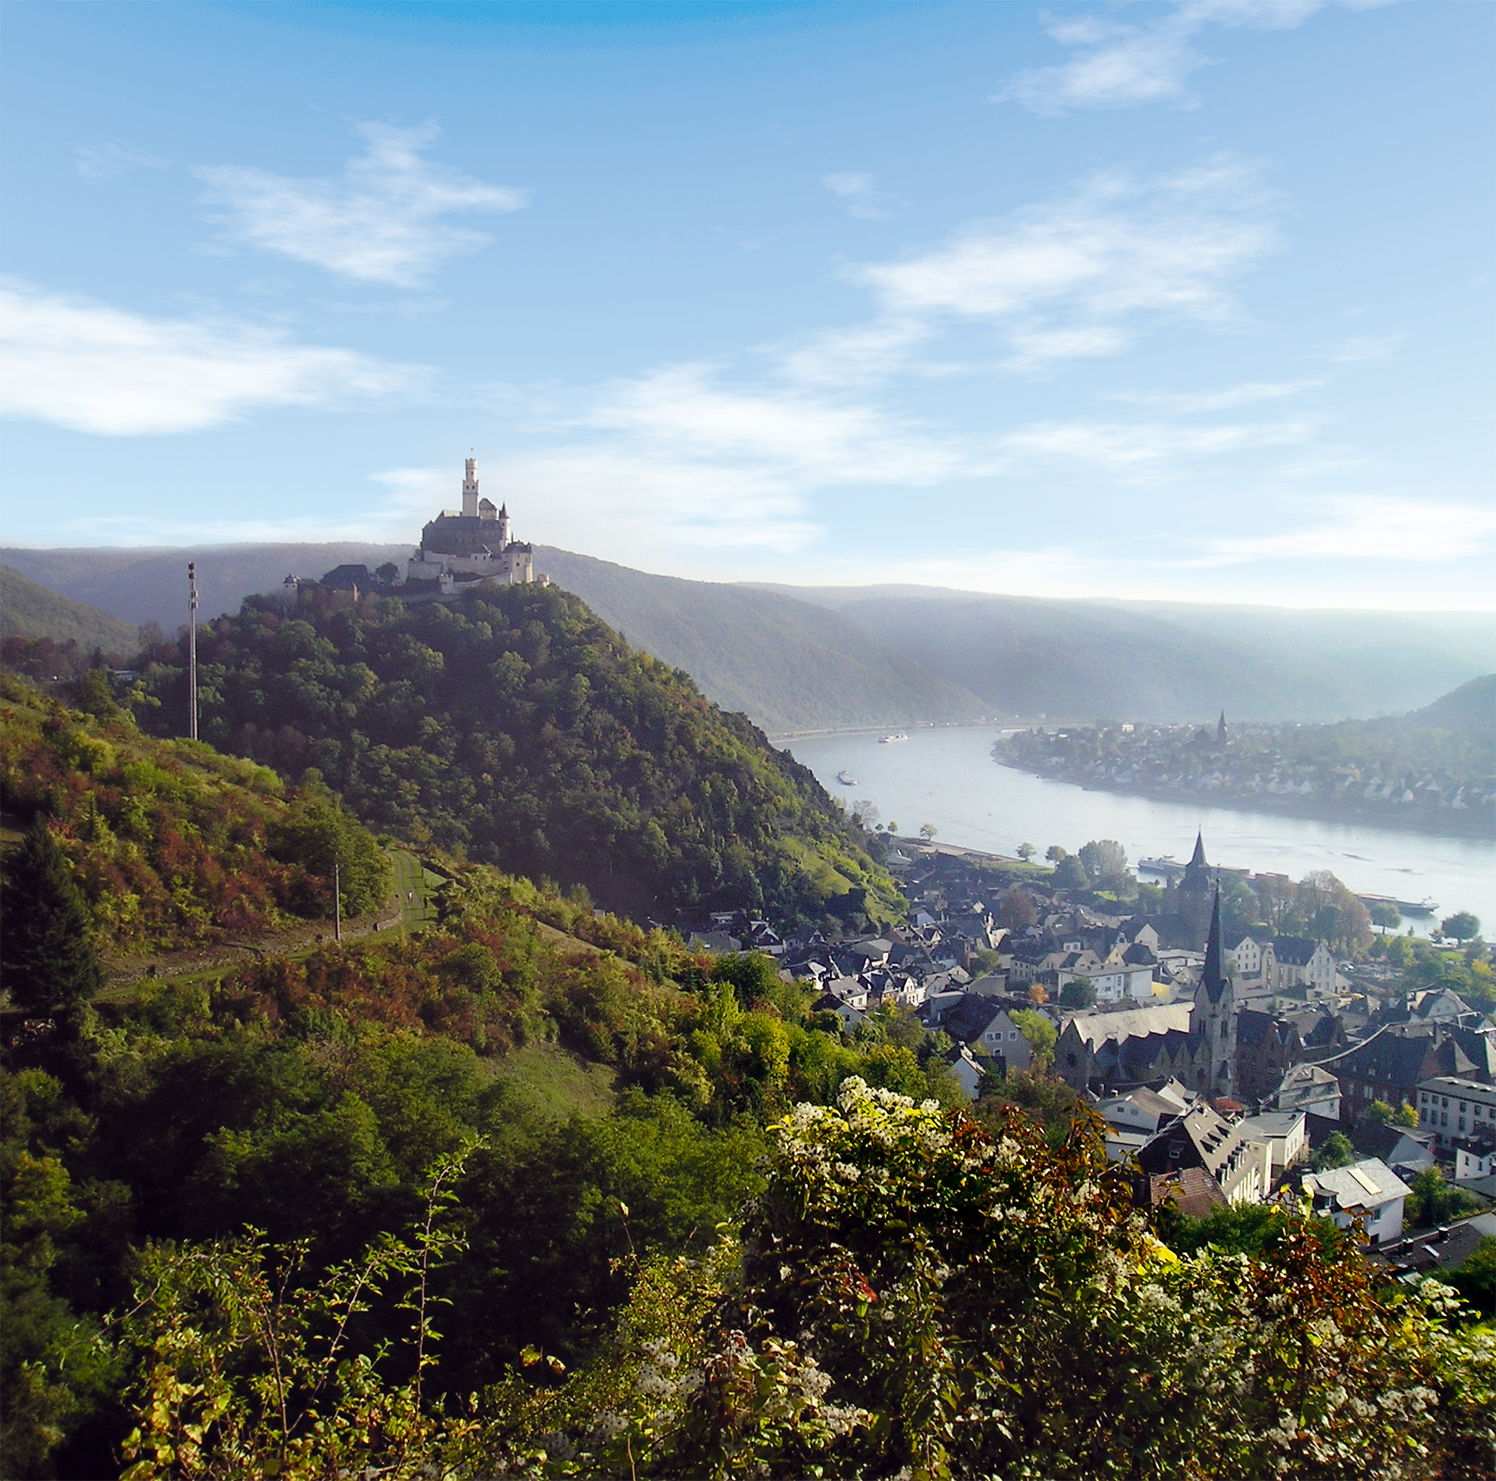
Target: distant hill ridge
x=31 y=610
x=800 y=658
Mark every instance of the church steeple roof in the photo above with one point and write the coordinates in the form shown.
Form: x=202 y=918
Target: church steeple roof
x=1197 y=859
x=1213 y=978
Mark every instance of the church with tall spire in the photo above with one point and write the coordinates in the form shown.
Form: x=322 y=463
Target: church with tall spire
x=1192 y=1041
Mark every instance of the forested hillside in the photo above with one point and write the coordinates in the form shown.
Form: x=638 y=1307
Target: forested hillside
x=43 y=633
x=604 y=1089
x=512 y=1189
x=171 y=843
x=515 y=726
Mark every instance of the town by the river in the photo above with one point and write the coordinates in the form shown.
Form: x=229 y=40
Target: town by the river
x=947 y=777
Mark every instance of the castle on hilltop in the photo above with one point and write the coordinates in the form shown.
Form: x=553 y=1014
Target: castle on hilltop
x=458 y=551
x=475 y=544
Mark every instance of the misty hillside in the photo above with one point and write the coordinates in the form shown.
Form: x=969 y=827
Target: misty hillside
x=806 y=657
x=787 y=664
x=1469 y=710
x=1161 y=661
x=30 y=610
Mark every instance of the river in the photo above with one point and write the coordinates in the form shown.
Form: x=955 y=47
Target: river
x=948 y=777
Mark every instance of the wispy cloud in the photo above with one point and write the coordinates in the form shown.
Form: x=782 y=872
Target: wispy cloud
x=1366 y=527
x=100 y=162
x=859 y=193
x=687 y=410
x=383 y=221
x=860 y=356
x=1135 y=450
x=1120 y=65
x=1229 y=398
x=1363 y=349
x=1079 y=275
x=80 y=364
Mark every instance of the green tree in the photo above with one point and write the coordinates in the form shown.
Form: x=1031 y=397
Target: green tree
x=1434 y=1202
x=1026 y=851
x=1334 y=1151
x=1403 y=1115
x=1105 y=863
x=1462 y=925
x=1079 y=992
x=927 y=831
x=1040 y=1033
x=1054 y=853
x=1070 y=874
x=1385 y=915
x=50 y=965
x=1475 y=1280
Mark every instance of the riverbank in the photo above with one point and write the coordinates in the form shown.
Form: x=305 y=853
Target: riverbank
x=1442 y=824
x=946 y=778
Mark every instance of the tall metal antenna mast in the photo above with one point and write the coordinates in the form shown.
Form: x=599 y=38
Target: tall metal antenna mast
x=192 y=649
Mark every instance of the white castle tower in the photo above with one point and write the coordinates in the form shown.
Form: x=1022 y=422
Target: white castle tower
x=475 y=544
x=470 y=489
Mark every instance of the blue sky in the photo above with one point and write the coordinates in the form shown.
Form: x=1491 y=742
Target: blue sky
x=1185 y=300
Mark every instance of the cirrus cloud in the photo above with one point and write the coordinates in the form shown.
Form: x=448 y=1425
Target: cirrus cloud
x=383 y=221
x=1117 y=65
x=86 y=366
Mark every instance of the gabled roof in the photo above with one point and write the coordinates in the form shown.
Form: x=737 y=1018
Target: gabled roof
x=1363 y=1185
x=1097 y=1028
x=1296 y=951
x=1400 y=1059
x=971 y=1017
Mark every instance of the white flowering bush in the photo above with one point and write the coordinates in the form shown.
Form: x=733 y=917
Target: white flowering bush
x=916 y=1297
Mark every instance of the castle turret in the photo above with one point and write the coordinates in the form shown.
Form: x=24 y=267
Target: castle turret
x=503 y=526
x=470 y=489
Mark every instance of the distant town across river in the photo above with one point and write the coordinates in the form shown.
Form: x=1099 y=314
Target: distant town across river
x=946 y=776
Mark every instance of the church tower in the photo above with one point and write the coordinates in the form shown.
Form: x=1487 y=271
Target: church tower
x=1213 y=1017
x=1193 y=894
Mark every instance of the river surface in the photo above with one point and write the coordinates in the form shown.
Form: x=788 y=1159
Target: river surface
x=948 y=777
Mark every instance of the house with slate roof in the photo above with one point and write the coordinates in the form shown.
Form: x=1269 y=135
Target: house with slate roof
x=1300 y=962
x=1201 y=1137
x=1392 y=1063
x=1368 y=1190
x=1311 y=1089
x=983 y=1023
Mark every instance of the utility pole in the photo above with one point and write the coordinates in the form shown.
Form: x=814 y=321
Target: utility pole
x=192 y=650
x=337 y=902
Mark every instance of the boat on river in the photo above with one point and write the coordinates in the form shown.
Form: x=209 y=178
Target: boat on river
x=1165 y=864
x=846 y=779
x=888 y=740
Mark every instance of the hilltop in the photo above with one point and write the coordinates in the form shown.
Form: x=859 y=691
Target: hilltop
x=513 y=725
x=797 y=658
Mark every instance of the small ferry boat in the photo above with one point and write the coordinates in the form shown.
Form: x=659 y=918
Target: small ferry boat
x=846 y=779
x=1165 y=864
x=888 y=740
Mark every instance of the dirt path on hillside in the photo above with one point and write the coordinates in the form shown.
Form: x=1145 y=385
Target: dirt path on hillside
x=407 y=909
